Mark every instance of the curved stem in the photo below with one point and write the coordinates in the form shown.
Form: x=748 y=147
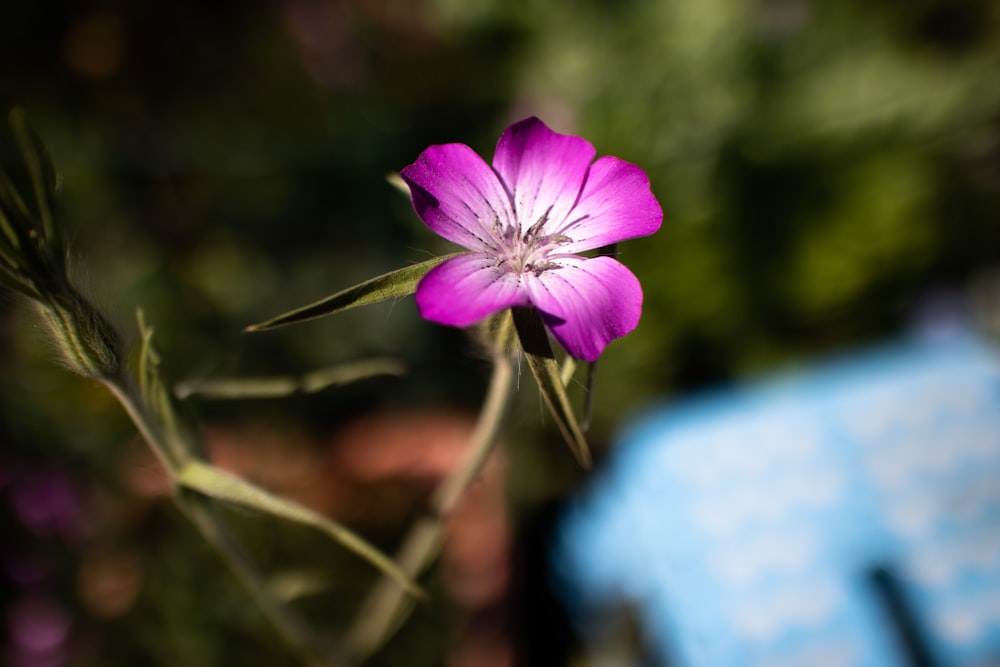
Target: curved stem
x=296 y=635
x=171 y=454
x=387 y=605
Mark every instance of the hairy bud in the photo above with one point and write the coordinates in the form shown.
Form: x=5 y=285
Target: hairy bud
x=88 y=343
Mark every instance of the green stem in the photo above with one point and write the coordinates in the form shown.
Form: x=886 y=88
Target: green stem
x=172 y=454
x=289 y=626
x=125 y=391
x=387 y=605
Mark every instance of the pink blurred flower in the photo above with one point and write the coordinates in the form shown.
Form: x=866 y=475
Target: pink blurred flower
x=48 y=503
x=38 y=633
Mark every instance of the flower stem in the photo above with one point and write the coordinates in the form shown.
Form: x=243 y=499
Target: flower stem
x=387 y=605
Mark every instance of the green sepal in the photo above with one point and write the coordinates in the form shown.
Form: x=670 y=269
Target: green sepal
x=537 y=350
x=281 y=386
x=210 y=481
x=400 y=282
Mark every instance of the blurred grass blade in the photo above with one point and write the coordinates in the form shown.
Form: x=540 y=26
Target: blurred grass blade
x=400 y=282
x=535 y=343
x=15 y=218
x=21 y=241
x=215 y=483
x=42 y=176
x=9 y=242
x=396 y=181
x=297 y=584
x=11 y=277
x=30 y=241
x=278 y=387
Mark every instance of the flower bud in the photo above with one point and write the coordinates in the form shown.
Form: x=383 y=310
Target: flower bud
x=88 y=343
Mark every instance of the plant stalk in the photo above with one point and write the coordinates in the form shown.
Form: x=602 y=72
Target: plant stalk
x=388 y=605
x=171 y=455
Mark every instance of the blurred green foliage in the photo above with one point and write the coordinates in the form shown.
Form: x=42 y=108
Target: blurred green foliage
x=823 y=166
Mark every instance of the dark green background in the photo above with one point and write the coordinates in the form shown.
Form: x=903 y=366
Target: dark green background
x=826 y=169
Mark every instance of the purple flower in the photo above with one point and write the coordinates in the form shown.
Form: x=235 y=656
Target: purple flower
x=524 y=221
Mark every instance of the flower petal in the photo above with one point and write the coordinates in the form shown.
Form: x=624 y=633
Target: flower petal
x=468 y=288
x=587 y=303
x=616 y=204
x=458 y=195
x=543 y=170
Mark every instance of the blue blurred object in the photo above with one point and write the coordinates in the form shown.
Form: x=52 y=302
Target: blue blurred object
x=847 y=515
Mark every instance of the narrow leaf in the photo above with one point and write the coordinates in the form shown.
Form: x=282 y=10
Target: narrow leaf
x=8 y=238
x=19 y=228
x=148 y=358
x=41 y=175
x=588 y=401
x=277 y=387
x=221 y=485
x=395 y=180
x=400 y=282
x=568 y=369
x=297 y=584
x=15 y=218
x=12 y=277
x=177 y=433
x=538 y=352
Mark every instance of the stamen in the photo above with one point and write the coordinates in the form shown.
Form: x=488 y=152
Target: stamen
x=537 y=227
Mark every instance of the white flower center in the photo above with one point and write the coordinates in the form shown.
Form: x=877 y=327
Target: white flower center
x=526 y=252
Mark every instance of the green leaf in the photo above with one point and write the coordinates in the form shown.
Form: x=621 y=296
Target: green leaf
x=215 y=483
x=537 y=350
x=277 y=387
x=400 y=282
x=176 y=433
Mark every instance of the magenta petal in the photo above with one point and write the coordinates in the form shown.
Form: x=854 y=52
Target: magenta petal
x=466 y=289
x=587 y=303
x=543 y=170
x=458 y=195
x=616 y=204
